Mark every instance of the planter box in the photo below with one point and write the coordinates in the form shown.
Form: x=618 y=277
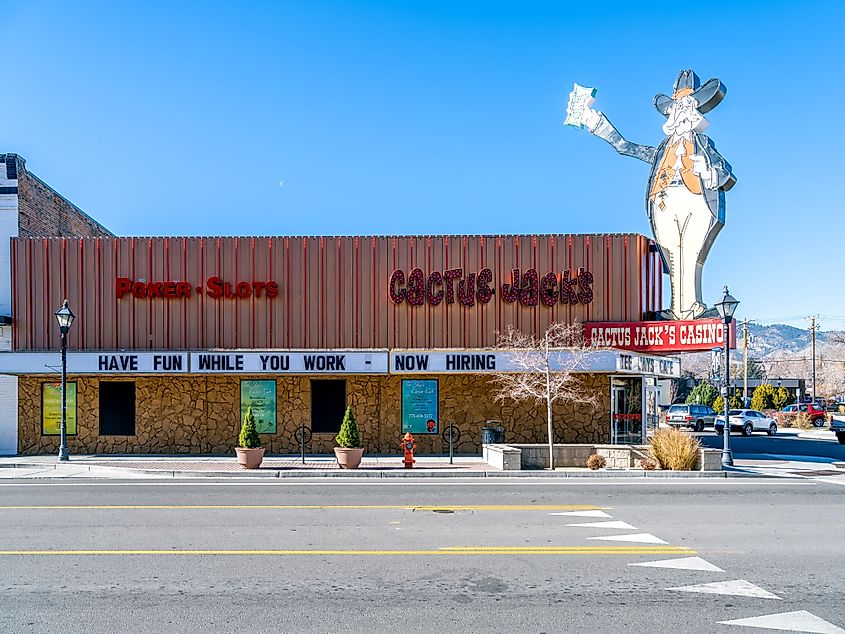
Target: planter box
x=536 y=456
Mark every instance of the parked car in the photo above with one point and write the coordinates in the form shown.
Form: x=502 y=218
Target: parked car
x=694 y=416
x=747 y=421
x=816 y=412
x=837 y=426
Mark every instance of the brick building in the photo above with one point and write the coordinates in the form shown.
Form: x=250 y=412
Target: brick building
x=29 y=208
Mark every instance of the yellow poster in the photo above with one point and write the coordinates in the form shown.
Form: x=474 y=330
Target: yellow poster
x=51 y=409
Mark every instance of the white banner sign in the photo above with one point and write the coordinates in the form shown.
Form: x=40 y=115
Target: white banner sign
x=655 y=366
x=290 y=362
x=487 y=361
x=207 y=362
x=323 y=362
x=95 y=362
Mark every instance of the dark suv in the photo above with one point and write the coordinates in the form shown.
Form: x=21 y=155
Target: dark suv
x=693 y=416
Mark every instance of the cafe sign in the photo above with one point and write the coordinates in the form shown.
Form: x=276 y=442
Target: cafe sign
x=420 y=406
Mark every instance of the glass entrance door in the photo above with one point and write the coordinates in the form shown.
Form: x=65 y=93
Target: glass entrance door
x=652 y=411
x=626 y=411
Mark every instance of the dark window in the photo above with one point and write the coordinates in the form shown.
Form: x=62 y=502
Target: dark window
x=117 y=408
x=328 y=402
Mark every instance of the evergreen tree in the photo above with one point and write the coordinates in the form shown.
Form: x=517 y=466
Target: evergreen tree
x=703 y=394
x=248 y=438
x=763 y=398
x=348 y=436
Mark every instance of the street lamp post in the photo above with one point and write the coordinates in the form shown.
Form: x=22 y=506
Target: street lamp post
x=726 y=309
x=65 y=318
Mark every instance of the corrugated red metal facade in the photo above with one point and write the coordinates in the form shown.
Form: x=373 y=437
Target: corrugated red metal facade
x=333 y=291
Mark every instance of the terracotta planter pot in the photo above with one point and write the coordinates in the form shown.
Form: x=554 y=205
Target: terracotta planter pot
x=250 y=458
x=348 y=458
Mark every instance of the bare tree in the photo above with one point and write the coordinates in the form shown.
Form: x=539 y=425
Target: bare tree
x=545 y=370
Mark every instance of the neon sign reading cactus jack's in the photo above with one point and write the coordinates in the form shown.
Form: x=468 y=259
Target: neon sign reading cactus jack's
x=526 y=287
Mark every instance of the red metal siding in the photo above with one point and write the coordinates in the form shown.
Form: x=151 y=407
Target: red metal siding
x=333 y=291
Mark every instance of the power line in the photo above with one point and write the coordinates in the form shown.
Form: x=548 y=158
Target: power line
x=794 y=359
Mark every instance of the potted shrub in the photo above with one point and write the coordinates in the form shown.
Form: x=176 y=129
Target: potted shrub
x=348 y=451
x=249 y=450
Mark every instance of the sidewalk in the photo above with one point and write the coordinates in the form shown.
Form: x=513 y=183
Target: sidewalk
x=783 y=466
x=286 y=466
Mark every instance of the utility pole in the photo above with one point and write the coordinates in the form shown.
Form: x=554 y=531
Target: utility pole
x=813 y=332
x=745 y=362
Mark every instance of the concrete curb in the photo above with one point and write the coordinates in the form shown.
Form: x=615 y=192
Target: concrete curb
x=395 y=473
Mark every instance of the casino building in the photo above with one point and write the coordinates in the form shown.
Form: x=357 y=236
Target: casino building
x=174 y=336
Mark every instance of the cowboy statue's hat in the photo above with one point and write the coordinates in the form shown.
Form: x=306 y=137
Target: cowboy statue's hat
x=708 y=95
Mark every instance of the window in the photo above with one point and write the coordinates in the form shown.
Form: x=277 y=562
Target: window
x=117 y=408
x=328 y=403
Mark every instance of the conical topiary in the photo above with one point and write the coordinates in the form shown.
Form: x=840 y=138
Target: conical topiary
x=248 y=438
x=348 y=436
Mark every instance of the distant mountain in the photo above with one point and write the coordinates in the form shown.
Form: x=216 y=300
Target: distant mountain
x=784 y=351
x=766 y=340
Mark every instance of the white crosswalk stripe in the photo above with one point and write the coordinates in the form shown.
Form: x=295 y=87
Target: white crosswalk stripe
x=681 y=563
x=612 y=524
x=736 y=588
x=639 y=538
x=799 y=621
x=582 y=513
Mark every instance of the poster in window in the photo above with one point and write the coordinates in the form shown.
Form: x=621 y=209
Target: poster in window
x=261 y=397
x=51 y=409
x=420 y=414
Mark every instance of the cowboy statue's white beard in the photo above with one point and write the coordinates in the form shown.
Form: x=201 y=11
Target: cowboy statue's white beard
x=682 y=120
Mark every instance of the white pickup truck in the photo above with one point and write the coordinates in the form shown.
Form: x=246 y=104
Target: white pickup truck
x=837 y=425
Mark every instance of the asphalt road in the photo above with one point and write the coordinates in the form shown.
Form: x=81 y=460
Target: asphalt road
x=427 y=556
x=781 y=445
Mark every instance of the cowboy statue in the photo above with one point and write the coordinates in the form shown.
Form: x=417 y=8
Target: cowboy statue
x=685 y=198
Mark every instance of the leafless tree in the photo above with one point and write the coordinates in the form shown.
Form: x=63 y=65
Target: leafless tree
x=546 y=370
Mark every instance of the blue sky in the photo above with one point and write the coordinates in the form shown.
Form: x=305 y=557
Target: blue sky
x=437 y=117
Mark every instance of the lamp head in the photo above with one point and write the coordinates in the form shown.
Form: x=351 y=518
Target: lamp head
x=727 y=307
x=65 y=317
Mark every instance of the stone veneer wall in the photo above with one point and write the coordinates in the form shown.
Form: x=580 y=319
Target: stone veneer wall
x=201 y=414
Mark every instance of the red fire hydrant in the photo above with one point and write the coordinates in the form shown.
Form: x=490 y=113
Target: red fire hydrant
x=408 y=445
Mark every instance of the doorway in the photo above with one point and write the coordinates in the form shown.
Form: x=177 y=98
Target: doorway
x=652 y=409
x=626 y=411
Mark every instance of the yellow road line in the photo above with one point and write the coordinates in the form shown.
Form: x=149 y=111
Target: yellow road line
x=460 y=507
x=480 y=550
x=519 y=548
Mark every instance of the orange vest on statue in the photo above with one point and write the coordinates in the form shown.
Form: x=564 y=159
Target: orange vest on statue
x=664 y=174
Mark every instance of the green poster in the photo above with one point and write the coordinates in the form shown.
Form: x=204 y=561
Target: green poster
x=420 y=406
x=51 y=409
x=261 y=397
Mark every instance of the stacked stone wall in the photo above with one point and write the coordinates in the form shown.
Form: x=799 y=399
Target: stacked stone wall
x=201 y=415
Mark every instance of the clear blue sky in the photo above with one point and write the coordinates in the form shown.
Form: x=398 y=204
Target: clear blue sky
x=438 y=117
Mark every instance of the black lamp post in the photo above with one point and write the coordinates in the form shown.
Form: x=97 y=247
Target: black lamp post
x=726 y=309
x=65 y=318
